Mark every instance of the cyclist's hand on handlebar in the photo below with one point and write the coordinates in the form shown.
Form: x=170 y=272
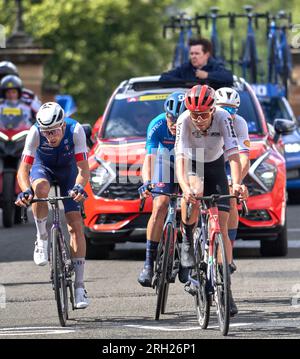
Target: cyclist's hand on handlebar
x=78 y=193
x=145 y=190
x=239 y=190
x=245 y=193
x=189 y=196
x=24 y=198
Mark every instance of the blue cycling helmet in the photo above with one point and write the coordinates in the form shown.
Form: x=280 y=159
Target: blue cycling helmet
x=174 y=104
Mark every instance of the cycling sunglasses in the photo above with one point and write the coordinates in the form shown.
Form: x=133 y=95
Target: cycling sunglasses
x=54 y=132
x=231 y=110
x=198 y=116
x=171 y=118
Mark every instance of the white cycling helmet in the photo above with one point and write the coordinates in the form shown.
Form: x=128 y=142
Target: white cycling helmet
x=227 y=96
x=50 y=115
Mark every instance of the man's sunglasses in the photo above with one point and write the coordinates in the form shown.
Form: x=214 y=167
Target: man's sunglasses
x=198 y=116
x=54 y=132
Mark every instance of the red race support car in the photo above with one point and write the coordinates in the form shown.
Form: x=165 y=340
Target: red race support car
x=117 y=157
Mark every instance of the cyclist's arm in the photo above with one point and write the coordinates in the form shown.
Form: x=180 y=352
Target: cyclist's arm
x=180 y=153
x=236 y=168
x=80 y=150
x=148 y=166
x=244 y=144
x=28 y=155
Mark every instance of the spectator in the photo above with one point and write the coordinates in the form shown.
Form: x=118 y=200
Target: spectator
x=201 y=68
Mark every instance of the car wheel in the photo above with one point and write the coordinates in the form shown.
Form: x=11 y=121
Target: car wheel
x=94 y=251
x=276 y=248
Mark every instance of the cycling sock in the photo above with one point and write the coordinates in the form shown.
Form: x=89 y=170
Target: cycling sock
x=79 y=271
x=232 y=235
x=41 y=227
x=151 y=249
x=187 y=232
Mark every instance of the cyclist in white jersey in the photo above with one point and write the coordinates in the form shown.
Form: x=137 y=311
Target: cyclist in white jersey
x=229 y=100
x=204 y=126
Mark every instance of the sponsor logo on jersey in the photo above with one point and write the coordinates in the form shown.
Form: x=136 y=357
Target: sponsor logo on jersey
x=247 y=143
x=161 y=185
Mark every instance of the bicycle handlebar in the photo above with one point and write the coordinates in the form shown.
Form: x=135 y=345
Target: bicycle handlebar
x=49 y=199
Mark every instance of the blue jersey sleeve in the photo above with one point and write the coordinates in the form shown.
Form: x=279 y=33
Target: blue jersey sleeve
x=153 y=135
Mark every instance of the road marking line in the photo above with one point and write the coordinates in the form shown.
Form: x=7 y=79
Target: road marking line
x=170 y=329
x=293 y=230
x=34 y=331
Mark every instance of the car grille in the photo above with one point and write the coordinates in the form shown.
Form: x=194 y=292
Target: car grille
x=120 y=190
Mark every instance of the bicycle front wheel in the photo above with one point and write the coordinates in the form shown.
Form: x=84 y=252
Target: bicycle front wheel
x=202 y=302
x=221 y=283
x=59 y=279
x=162 y=285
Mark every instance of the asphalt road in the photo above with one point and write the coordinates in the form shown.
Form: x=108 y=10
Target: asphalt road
x=267 y=292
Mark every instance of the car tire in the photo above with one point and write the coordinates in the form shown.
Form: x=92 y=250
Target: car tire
x=98 y=251
x=276 y=248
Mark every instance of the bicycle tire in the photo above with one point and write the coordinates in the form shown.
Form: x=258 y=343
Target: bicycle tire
x=202 y=303
x=59 y=280
x=221 y=284
x=162 y=284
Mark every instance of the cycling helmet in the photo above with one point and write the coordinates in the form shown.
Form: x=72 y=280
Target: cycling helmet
x=227 y=96
x=200 y=98
x=50 y=115
x=174 y=104
x=7 y=68
x=11 y=82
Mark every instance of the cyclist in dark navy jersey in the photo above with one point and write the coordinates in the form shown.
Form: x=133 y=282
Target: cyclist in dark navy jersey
x=55 y=149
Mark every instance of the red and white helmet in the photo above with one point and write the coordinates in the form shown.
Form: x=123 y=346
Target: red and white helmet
x=200 y=98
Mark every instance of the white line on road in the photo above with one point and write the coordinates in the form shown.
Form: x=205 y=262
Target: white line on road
x=293 y=230
x=179 y=329
x=34 y=331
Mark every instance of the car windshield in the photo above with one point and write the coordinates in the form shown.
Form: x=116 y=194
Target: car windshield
x=130 y=117
x=248 y=110
x=274 y=108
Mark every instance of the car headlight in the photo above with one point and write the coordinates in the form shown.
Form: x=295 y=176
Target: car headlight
x=101 y=177
x=292 y=147
x=265 y=174
x=20 y=136
x=3 y=136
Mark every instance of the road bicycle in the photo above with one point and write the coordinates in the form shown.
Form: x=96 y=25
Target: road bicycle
x=210 y=277
x=168 y=254
x=185 y=25
x=61 y=267
x=279 y=53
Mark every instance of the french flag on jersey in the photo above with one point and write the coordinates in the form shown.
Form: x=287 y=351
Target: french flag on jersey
x=81 y=156
x=27 y=159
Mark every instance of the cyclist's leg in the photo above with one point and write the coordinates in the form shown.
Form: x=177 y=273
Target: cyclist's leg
x=164 y=182
x=40 y=178
x=189 y=220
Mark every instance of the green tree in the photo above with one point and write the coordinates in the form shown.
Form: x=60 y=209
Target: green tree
x=97 y=44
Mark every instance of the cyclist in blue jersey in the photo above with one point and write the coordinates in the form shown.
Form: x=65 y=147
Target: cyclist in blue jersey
x=55 y=149
x=158 y=169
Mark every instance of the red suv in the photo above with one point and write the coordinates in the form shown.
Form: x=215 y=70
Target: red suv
x=117 y=156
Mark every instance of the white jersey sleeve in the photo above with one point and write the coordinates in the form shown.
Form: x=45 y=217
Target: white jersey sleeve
x=228 y=133
x=31 y=144
x=182 y=134
x=241 y=129
x=80 y=148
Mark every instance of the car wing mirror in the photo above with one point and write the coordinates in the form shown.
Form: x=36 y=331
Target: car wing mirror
x=283 y=127
x=88 y=133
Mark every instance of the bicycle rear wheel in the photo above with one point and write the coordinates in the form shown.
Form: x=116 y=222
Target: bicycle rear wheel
x=59 y=279
x=162 y=285
x=201 y=298
x=221 y=283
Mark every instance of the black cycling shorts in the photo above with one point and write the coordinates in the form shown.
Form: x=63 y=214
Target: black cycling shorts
x=215 y=180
